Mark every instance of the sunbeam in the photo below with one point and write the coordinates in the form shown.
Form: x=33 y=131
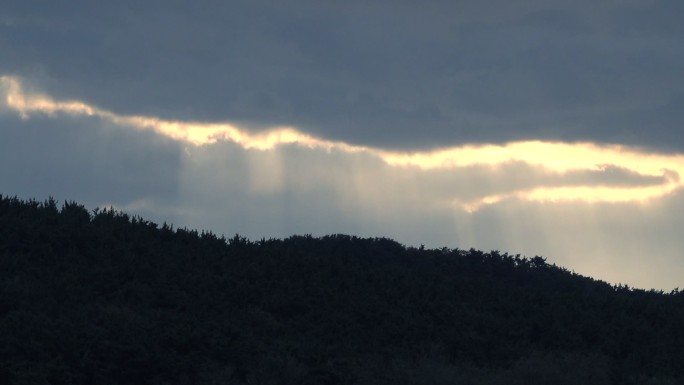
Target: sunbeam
x=556 y=157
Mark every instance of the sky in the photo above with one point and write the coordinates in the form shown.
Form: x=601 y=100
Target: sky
x=551 y=128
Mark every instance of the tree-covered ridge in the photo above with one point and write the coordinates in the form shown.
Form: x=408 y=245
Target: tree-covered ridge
x=106 y=298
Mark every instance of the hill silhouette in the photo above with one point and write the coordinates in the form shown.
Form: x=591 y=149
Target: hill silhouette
x=102 y=297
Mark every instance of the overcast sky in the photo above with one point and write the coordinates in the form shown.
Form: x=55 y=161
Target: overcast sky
x=551 y=128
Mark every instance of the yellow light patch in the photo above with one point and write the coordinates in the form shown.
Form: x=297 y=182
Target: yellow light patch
x=556 y=157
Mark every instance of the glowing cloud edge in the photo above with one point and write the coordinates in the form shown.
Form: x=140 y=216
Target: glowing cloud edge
x=558 y=157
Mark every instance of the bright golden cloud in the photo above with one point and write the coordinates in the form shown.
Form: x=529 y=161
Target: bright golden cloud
x=555 y=157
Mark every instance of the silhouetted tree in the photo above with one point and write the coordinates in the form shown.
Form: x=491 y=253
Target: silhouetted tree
x=102 y=297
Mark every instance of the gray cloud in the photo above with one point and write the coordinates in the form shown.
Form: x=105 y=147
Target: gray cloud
x=390 y=74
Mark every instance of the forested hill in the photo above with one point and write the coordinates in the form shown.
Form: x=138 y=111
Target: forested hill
x=105 y=298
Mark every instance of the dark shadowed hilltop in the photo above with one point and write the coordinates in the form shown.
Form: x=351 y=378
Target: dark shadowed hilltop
x=105 y=298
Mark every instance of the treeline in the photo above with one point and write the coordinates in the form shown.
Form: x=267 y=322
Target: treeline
x=102 y=297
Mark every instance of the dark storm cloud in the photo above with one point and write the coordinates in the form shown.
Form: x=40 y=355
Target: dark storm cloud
x=388 y=74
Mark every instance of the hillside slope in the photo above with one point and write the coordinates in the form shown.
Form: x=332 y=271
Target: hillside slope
x=105 y=298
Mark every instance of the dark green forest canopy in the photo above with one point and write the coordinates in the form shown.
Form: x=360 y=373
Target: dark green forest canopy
x=102 y=297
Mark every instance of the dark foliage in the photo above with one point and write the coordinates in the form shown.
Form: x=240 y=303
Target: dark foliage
x=106 y=298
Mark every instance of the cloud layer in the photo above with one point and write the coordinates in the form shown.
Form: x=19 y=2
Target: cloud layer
x=539 y=127
x=386 y=74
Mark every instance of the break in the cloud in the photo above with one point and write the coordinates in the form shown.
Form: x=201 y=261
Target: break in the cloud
x=546 y=171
